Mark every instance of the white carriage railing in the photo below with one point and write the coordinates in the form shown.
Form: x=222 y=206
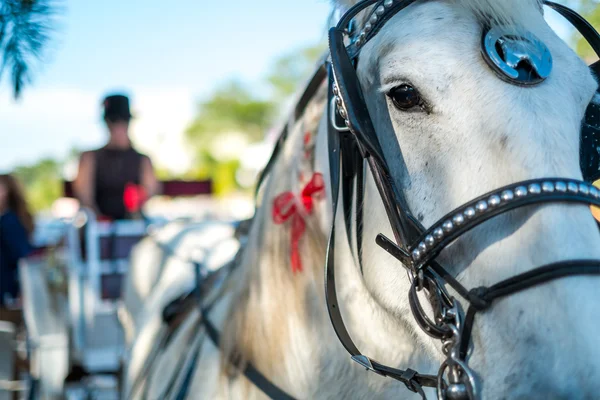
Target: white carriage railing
x=97 y=338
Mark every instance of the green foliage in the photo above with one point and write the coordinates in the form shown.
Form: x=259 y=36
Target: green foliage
x=233 y=108
x=24 y=31
x=224 y=177
x=590 y=9
x=42 y=182
x=292 y=69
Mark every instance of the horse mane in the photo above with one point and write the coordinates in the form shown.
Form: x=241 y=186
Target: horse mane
x=266 y=292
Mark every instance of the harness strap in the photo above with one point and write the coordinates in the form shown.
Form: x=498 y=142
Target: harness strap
x=250 y=372
x=197 y=296
x=189 y=374
x=413 y=381
x=485 y=296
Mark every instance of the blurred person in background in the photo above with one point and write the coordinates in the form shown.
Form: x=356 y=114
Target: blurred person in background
x=16 y=227
x=116 y=174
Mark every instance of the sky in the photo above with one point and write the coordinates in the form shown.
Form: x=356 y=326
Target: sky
x=165 y=57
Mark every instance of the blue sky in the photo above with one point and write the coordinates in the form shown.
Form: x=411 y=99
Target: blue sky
x=166 y=54
x=167 y=57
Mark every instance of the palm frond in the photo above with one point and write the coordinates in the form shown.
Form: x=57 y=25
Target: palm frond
x=25 y=28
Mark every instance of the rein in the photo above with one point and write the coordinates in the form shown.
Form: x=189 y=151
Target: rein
x=196 y=300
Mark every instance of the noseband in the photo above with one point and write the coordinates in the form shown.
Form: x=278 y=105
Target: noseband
x=352 y=140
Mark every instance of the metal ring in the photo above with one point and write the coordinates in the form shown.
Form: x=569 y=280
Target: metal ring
x=432 y=329
x=470 y=383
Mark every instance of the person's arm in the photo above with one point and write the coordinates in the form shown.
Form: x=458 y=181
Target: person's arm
x=83 y=186
x=148 y=180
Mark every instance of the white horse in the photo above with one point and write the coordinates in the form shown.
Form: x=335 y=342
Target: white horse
x=160 y=266
x=161 y=269
x=470 y=133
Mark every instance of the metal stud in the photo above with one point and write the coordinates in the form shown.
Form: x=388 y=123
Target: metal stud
x=584 y=189
x=507 y=195
x=535 y=188
x=521 y=191
x=547 y=187
x=373 y=19
x=594 y=192
x=494 y=200
x=379 y=11
x=448 y=226
x=342 y=112
x=336 y=92
x=367 y=27
x=572 y=187
x=438 y=233
x=416 y=254
x=422 y=247
x=429 y=240
x=469 y=212
x=458 y=219
x=481 y=206
x=388 y=3
x=560 y=187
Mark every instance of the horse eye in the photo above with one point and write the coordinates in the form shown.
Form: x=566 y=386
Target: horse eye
x=405 y=97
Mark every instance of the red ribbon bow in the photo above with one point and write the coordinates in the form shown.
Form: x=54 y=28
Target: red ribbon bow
x=287 y=205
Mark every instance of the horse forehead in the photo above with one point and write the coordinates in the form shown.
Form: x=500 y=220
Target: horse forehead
x=419 y=36
x=441 y=43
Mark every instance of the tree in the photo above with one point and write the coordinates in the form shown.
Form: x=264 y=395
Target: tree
x=591 y=11
x=24 y=32
x=42 y=182
x=234 y=110
x=232 y=107
x=289 y=71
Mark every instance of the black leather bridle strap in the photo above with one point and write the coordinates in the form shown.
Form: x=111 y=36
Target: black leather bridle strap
x=410 y=378
x=519 y=283
x=570 y=192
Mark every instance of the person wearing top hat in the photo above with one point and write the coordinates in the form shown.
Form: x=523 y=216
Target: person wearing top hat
x=106 y=174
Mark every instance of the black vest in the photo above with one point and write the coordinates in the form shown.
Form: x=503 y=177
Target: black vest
x=115 y=168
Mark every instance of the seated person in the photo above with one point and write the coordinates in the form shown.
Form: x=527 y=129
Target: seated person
x=104 y=174
x=16 y=226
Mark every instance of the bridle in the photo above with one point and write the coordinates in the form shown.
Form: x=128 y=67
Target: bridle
x=352 y=140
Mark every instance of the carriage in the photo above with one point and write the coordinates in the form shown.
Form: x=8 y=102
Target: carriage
x=71 y=290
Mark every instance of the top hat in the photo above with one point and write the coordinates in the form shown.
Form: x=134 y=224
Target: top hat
x=116 y=108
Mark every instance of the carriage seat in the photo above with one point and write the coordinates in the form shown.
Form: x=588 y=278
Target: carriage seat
x=109 y=242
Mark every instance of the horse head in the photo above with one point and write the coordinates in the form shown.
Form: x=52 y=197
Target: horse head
x=455 y=118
